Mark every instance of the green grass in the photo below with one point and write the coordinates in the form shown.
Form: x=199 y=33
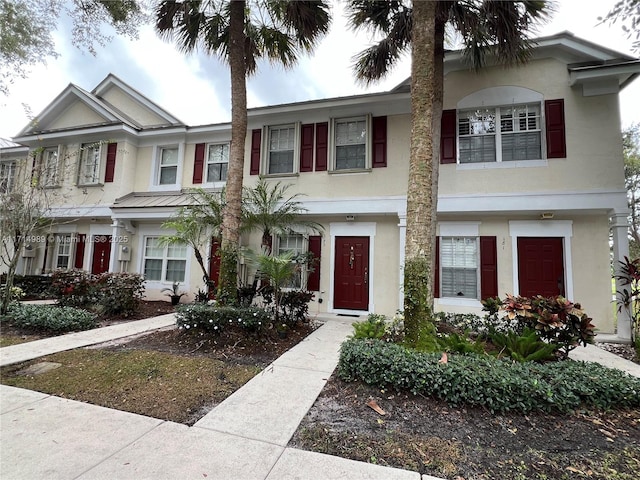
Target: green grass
x=156 y=384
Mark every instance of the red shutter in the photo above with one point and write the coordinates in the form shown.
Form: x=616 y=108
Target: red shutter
x=448 y=137
x=79 y=259
x=306 y=148
x=436 y=273
x=379 y=127
x=556 y=139
x=256 y=138
x=488 y=267
x=110 y=171
x=315 y=247
x=198 y=163
x=322 y=146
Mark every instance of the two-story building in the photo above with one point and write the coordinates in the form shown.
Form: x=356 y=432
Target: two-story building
x=531 y=184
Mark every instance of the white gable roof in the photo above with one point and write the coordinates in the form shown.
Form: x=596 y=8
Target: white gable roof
x=133 y=107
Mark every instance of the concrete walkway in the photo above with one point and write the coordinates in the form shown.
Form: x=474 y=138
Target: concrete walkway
x=244 y=437
x=39 y=348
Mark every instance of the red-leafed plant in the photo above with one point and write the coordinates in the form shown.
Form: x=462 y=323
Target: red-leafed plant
x=628 y=297
x=556 y=320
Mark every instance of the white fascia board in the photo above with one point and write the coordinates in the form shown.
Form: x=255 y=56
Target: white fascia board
x=79 y=211
x=204 y=133
x=148 y=213
x=533 y=202
x=620 y=72
x=356 y=206
x=102 y=130
x=369 y=100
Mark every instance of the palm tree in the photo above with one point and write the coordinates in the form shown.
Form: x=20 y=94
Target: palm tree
x=196 y=223
x=241 y=33
x=270 y=209
x=486 y=27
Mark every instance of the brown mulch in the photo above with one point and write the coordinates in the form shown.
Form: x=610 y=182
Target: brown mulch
x=428 y=436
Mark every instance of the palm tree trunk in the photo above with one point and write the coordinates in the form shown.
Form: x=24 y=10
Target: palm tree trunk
x=228 y=280
x=421 y=197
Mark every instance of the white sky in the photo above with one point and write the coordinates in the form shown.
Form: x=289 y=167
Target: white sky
x=196 y=88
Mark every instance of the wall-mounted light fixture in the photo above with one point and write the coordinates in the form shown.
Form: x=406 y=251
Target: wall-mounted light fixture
x=546 y=215
x=350 y=218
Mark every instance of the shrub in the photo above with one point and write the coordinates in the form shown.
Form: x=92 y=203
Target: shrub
x=523 y=348
x=15 y=294
x=50 y=317
x=109 y=293
x=373 y=327
x=456 y=343
x=556 y=320
x=33 y=286
x=218 y=319
x=119 y=293
x=498 y=385
x=295 y=306
x=73 y=288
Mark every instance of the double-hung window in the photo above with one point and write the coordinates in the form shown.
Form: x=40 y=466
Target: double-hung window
x=281 y=149
x=168 y=166
x=50 y=160
x=7 y=176
x=217 y=162
x=89 y=171
x=63 y=252
x=350 y=143
x=296 y=245
x=164 y=263
x=459 y=261
x=500 y=134
x=521 y=133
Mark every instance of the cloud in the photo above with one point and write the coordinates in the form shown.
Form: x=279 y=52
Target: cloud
x=196 y=88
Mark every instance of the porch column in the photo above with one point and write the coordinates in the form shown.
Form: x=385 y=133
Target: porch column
x=113 y=255
x=620 y=231
x=402 y=225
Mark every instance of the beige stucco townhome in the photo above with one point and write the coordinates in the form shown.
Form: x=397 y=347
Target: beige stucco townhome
x=531 y=183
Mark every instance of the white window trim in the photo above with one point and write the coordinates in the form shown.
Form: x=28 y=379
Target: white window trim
x=468 y=300
x=459 y=229
x=502 y=96
x=305 y=249
x=543 y=228
x=155 y=172
x=159 y=284
x=205 y=173
x=101 y=165
x=43 y=167
x=332 y=145
x=60 y=241
x=11 y=167
x=353 y=229
x=266 y=134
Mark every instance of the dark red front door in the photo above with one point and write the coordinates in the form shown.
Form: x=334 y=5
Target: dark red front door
x=351 y=285
x=101 y=254
x=214 y=265
x=540 y=266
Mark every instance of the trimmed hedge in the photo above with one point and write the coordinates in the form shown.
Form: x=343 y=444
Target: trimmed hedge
x=50 y=317
x=217 y=319
x=480 y=380
x=108 y=293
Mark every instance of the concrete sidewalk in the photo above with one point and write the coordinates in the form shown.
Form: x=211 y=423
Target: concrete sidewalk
x=39 y=348
x=245 y=437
